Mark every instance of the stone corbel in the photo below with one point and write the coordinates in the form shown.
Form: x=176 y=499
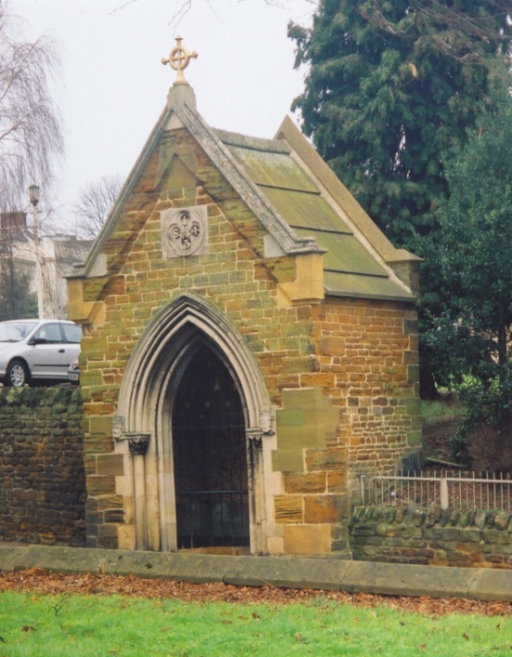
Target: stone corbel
x=138 y=443
x=118 y=427
x=266 y=428
x=255 y=438
x=267 y=422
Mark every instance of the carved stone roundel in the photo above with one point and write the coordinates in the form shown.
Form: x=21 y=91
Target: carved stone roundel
x=183 y=232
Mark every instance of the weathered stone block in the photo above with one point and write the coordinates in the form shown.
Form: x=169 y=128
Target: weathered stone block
x=320 y=509
x=336 y=481
x=101 y=485
x=307 y=539
x=502 y=519
x=111 y=464
x=288 y=509
x=410 y=532
x=100 y=425
x=496 y=537
x=288 y=460
x=98 y=444
x=114 y=516
x=333 y=346
x=413 y=373
x=384 y=529
x=303 y=434
x=333 y=458
x=110 y=502
x=310 y=482
x=481 y=519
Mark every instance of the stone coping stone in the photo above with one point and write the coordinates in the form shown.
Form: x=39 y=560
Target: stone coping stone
x=320 y=573
x=10 y=557
x=408 y=579
x=492 y=584
x=286 y=572
x=193 y=568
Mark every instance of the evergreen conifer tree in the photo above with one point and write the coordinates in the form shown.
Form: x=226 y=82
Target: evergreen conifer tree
x=471 y=336
x=391 y=89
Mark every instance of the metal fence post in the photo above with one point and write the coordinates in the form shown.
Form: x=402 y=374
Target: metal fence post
x=445 y=502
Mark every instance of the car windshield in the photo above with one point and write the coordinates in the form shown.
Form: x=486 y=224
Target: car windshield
x=15 y=331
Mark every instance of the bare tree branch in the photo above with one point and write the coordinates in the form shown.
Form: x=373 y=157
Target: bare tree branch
x=186 y=6
x=94 y=204
x=30 y=128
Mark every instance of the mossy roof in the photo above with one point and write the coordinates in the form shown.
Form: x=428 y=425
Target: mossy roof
x=351 y=266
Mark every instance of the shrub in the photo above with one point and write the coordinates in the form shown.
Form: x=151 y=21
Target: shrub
x=490 y=449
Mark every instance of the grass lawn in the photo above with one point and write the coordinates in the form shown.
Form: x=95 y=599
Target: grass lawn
x=86 y=625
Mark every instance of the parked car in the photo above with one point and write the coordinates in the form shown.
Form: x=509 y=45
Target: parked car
x=37 y=350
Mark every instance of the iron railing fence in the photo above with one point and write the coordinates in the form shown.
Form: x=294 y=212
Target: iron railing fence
x=461 y=490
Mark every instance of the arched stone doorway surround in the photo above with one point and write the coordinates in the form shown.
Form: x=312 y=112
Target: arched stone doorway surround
x=143 y=424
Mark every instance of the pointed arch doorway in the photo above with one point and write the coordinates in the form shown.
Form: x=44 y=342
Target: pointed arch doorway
x=210 y=456
x=168 y=370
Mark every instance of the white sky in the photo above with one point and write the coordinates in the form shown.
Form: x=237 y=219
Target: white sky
x=111 y=86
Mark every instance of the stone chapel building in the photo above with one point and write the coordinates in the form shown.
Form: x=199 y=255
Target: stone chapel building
x=250 y=345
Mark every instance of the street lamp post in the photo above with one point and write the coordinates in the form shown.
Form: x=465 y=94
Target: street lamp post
x=33 y=195
x=10 y=228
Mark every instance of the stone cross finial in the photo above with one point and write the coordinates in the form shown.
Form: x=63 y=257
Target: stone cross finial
x=179 y=59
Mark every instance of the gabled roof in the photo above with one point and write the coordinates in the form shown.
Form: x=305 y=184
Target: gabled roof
x=352 y=266
x=298 y=199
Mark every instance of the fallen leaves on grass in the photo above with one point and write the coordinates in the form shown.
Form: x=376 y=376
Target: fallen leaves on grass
x=39 y=581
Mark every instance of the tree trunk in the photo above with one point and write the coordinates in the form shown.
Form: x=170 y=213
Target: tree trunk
x=428 y=389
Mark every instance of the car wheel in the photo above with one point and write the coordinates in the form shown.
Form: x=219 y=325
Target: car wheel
x=17 y=374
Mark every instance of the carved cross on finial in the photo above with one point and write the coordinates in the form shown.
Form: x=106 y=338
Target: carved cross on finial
x=179 y=59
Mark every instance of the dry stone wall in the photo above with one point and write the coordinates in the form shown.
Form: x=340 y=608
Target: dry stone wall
x=431 y=536
x=42 y=481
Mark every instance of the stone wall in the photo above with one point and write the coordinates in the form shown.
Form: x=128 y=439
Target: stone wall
x=42 y=481
x=352 y=412
x=414 y=535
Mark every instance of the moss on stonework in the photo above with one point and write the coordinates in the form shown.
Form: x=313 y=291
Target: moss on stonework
x=64 y=397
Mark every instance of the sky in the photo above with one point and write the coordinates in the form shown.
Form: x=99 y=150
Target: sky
x=111 y=85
